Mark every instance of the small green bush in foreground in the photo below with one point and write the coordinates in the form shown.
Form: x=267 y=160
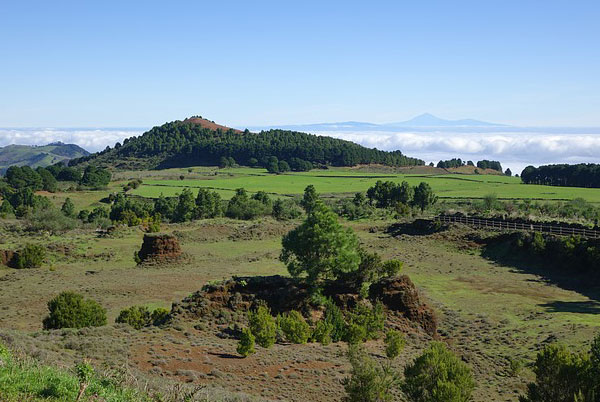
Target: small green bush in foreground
x=71 y=310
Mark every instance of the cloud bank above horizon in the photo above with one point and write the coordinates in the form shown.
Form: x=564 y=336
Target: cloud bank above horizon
x=514 y=149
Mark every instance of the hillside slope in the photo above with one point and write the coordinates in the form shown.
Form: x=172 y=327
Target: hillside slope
x=34 y=156
x=198 y=141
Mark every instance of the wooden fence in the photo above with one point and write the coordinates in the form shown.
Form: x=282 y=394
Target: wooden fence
x=530 y=227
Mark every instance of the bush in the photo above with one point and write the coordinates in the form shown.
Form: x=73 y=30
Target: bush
x=394 y=343
x=294 y=327
x=245 y=346
x=160 y=316
x=135 y=316
x=334 y=318
x=561 y=376
x=285 y=209
x=140 y=316
x=51 y=220
x=263 y=326
x=208 y=204
x=365 y=320
x=31 y=256
x=438 y=375
x=95 y=177
x=369 y=382
x=71 y=310
x=68 y=208
x=322 y=332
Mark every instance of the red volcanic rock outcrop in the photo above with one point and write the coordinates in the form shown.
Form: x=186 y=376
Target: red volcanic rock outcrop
x=283 y=294
x=159 y=247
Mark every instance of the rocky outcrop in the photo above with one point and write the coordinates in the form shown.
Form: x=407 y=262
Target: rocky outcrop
x=283 y=294
x=400 y=294
x=159 y=248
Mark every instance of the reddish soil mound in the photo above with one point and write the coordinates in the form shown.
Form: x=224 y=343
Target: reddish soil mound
x=400 y=294
x=6 y=257
x=284 y=294
x=209 y=124
x=159 y=247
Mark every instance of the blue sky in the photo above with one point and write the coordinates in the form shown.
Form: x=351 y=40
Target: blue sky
x=127 y=63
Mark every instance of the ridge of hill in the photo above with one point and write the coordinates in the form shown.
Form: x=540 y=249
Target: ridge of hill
x=197 y=141
x=34 y=156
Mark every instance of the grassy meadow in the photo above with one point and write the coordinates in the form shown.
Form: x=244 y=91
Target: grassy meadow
x=346 y=180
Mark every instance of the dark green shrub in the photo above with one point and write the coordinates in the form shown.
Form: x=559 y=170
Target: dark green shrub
x=208 y=204
x=334 y=318
x=141 y=316
x=438 y=375
x=369 y=382
x=68 y=208
x=160 y=316
x=31 y=256
x=285 y=209
x=371 y=319
x=95 y=177
x=243 y=207
x=6 y=209
x=245 y=346
x=136 y=316
x=394 y=343
x=561 y=376
x=294 y=327
x=263 y=326
x=71 y=310
x=322 y=332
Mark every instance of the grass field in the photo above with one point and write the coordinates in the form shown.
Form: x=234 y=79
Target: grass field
x=339 y=181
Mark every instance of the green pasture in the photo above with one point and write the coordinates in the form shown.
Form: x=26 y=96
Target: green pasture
x=337 y=181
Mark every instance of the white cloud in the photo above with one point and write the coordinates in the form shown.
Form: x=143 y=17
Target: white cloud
x=90 y=139
x=514 y=149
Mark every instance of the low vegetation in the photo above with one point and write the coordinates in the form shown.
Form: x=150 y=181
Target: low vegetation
x=71 y=310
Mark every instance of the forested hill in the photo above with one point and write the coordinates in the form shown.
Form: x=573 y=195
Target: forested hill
x=201 y=142
x=34 y=156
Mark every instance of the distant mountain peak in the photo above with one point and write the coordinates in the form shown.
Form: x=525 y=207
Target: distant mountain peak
x=429 y=120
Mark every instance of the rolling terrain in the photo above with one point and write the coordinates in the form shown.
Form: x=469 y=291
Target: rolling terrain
x=34 y=156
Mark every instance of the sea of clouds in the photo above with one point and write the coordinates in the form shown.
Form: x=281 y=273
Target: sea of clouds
x=514 y=149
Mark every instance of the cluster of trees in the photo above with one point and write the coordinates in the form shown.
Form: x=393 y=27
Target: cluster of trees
x=452 y=163
x=186 y=144
x=19 y=177
x=457 y=162
x=390 y=194
x=354 y=326
x=580 y=175
x=207 y=204
x=486 y=164
x=562 y=375
x=434 y=376
x=580 y=255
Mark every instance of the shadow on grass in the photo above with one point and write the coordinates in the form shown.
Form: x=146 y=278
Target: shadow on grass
x=502 y=250
x=582 y=307
x=225 y=355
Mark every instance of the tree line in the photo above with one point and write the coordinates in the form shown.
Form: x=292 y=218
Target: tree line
x=580 y=175
x=178 y=144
